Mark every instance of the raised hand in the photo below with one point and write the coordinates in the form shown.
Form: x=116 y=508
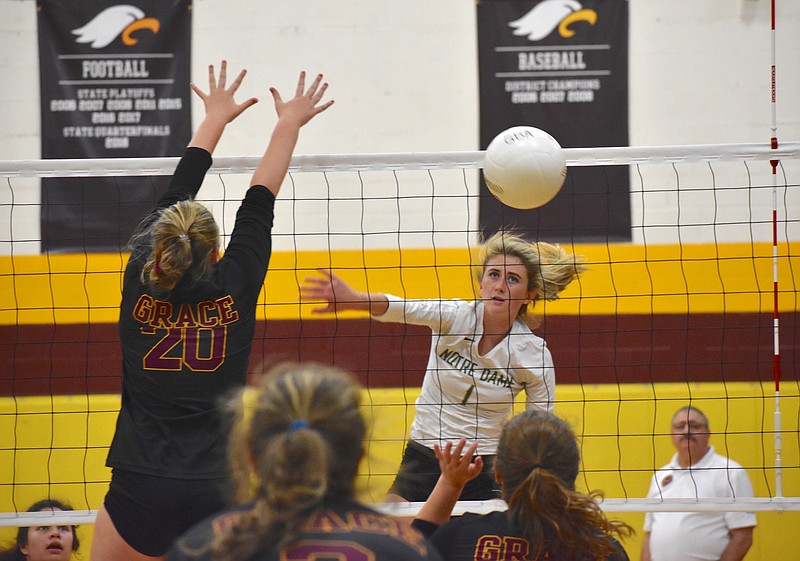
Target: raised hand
x=331 y=289
x=458 y=464
x=304 y=105
x=220 y=107
x=219 y=102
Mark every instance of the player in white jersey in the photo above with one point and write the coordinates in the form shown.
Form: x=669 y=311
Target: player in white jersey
x=483 y=353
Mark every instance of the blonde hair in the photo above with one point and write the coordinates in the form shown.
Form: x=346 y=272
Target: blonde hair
x=183 y=241
x=538 y=461
x=550 y=268
x=301 y=444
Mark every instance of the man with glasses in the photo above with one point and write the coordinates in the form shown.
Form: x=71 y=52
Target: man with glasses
x=696 y=471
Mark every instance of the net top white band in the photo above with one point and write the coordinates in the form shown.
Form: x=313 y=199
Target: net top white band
x=603 y=156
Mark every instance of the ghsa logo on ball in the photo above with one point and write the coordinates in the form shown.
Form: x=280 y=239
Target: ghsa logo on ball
x=524 y=167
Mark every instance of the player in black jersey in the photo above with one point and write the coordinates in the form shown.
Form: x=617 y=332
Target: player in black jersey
x=186 y=326
x=547 y=519
x=298 y=453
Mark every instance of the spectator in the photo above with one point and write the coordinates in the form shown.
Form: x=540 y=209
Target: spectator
x=45 y=542
x=696 y=471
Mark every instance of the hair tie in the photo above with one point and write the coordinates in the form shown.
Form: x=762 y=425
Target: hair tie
x=298 y=424
x=537 y=466
x=157 y=267
x=183 y=238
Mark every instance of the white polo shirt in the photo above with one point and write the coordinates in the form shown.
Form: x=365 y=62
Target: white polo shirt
x=465 y=394
x=689 y=536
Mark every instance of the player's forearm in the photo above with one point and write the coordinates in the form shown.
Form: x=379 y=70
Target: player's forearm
x=439 y=506
x=208 y=133
x=272 y=168
x=376 y=303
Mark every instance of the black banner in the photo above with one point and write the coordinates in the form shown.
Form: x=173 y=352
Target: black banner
x=561 y=66
x=114 y=84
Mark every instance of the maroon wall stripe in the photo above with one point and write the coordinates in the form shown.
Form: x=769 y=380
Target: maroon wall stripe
x=80 y=359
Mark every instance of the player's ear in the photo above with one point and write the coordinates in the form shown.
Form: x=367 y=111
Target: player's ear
x=497 y=477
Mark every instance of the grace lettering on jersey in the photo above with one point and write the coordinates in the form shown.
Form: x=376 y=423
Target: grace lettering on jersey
x=208 y=313
x=507 y=548
x=195 y=337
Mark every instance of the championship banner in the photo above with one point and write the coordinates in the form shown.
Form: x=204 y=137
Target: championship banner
x=114 y=84
x=560 y=66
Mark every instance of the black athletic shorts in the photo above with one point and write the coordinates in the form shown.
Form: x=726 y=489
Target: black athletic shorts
x=419 y=471
x=151 y=512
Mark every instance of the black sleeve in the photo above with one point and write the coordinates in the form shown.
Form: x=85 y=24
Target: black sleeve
x=188 y=177
x=184 y=184
x=251 y=239
x=425 y=527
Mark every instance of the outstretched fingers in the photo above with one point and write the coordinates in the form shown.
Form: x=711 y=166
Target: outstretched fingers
x=212 y=77
x=238 y=81
x=301 y=84
x=312 y=89
x=200 y=93
x=223 y=74
x=458 y=462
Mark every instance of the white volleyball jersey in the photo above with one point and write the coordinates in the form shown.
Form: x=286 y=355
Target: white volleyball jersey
x=464 y=394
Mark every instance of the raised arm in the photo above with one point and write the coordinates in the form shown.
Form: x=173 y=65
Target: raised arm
x=458 y=467
x=340 y=296
x=220 y=107
x=292 y=115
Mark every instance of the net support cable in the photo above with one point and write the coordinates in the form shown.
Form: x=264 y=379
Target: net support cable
x=758 y=504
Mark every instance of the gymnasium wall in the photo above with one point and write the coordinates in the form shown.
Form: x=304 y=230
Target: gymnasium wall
x=404 y=77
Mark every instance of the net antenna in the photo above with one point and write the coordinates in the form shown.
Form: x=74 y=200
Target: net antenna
x=776 y=320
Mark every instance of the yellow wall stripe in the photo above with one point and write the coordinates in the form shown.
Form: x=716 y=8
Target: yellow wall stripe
x=624 y=279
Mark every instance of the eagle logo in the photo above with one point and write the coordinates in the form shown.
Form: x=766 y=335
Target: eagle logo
x=112 y=22
x=548 y=15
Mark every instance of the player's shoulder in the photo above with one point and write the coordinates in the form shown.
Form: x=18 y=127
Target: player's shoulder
x=523 y=340
x=386 y=537
x=495 y=522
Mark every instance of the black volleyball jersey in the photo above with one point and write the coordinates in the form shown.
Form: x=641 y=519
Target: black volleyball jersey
x=342 y=530
x=181 y=354
x=489 y=536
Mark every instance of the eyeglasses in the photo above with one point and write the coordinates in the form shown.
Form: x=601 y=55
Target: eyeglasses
x=692 y=426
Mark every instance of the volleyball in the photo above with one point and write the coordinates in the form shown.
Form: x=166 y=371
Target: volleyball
x=524 y=167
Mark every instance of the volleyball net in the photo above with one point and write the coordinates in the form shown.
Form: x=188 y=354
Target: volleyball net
x=700 y=307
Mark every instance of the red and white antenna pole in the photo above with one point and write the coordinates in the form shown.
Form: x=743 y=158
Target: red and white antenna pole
x=776 y=357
